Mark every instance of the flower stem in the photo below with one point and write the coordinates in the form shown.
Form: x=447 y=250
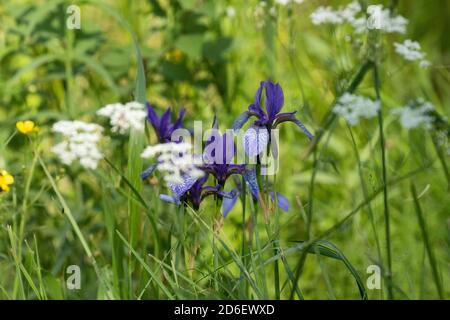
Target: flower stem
x=385 y=187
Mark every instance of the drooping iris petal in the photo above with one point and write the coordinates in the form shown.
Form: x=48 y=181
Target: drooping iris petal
x=290 y=116
x=252 y=181
x=229 y=203
x=147 y=172
x=179 y=189
x=170 y=199
x=255 y=140
x=282 y=201
x=274 y=98
x=241 y=120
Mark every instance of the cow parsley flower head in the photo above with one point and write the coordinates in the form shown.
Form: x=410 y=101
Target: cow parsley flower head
x=353 y=108
x=415 y=114
x=286 y=2
x=410 y=50
x=379 y=18
x=79 y=143
x=326 y=15
x=124 y=116
x=230 y=11
x=175 y=160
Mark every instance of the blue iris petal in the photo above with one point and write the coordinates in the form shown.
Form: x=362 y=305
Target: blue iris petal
x=250 y=178
x=229 y=202
x=170 y=199
x=282 y=201
x=147 y=172
x=241 y=120
x=179 y=189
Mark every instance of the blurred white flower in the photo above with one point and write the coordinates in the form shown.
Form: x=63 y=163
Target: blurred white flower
x=231 y=12
x=379 y=18
x=410 y=50
x=349 y=12
x=124 y=116
x=424 y=64
x=286 y=2
x=175 y=160
x=353 y=107
x=324 y=15
x=415 y=114
x=80 y=143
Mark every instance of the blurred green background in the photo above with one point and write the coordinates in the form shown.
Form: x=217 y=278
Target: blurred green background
x=209 y=57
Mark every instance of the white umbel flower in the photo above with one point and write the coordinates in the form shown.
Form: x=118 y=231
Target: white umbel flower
x=286 y=2
x=353 y=108
x=379 y=18
x=230 y=11
x=410 y=50
x=124 y=116
x=80 y=143
x=326 y=15
x=175 y=160
x=415 y=114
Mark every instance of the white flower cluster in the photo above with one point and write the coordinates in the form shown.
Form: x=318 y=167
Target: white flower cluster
x=415 y=114
x=124 y=116
x=286 y=2
x=411 y=51
x=379 y=18
x=326 y=15
x=174 y=159
x=352 y=108
x=80 y=142
x=230 y=12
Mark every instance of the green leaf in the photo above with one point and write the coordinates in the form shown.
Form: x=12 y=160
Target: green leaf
x=191 y=45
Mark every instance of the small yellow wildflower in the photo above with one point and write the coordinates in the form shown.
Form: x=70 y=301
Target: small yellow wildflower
x=174 y=55
x=5 y=180
x=27 y=127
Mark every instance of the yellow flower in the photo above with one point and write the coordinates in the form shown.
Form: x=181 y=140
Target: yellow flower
x=5 y=180
x=27 y=127
x=174 y=55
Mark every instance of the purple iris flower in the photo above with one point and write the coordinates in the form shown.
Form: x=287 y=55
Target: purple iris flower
x=219 y=161
x=193 y=191
x=163 y=126
x=258 y=135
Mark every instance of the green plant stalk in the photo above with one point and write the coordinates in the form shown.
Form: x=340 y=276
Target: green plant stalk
x=244 y=238
x=385 y=186
x=24 y=213
x=442 y=160
x=68 y=213
x=68 y=69
x=366 y=195
x=309 y=214
x=430 y=253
